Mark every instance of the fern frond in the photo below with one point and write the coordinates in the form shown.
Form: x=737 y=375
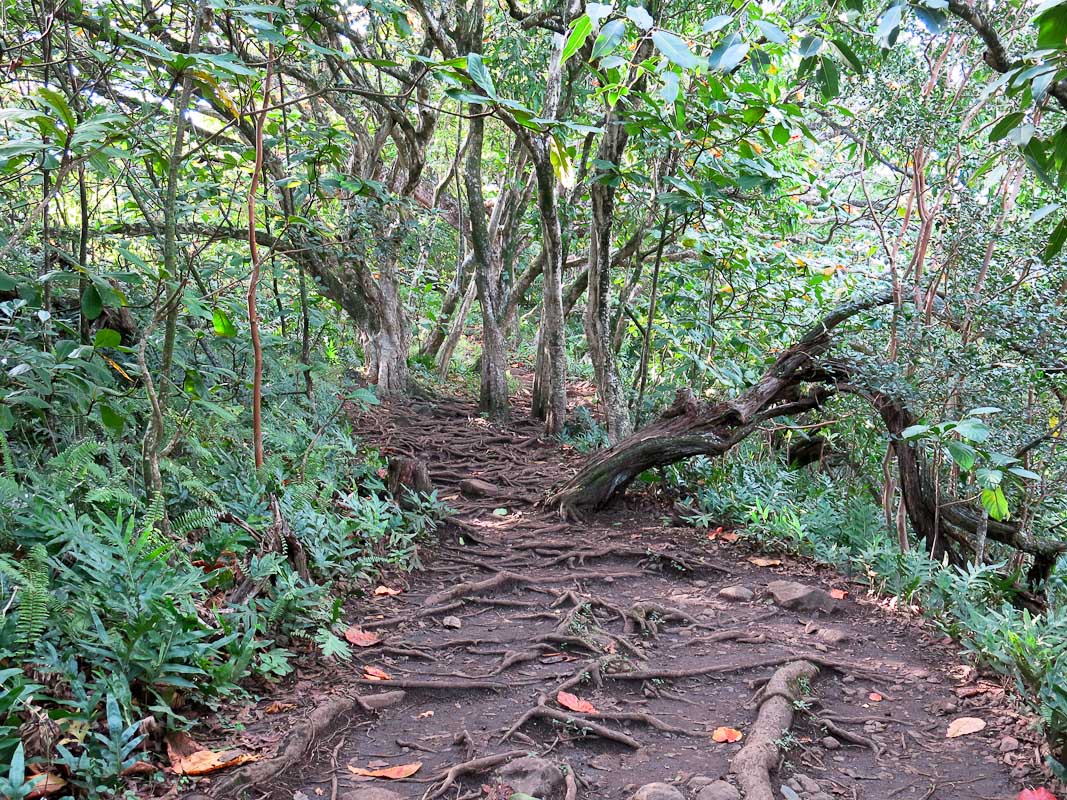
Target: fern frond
x=192 y=520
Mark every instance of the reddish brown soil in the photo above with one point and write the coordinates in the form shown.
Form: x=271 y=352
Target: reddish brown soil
x=627 y=591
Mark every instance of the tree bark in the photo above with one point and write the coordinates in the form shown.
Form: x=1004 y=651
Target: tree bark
x=799 y=380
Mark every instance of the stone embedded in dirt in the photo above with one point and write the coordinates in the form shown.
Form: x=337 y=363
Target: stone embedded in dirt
x=834 y=636
x=798 y=597
x=1009 y=744
x=719 y=790
x=370 y=793
x=476 y=487
x=533 y=776
x=830 y=743
x=657 y=791
x=383 y=699
x=739 y=594
x=452 y=622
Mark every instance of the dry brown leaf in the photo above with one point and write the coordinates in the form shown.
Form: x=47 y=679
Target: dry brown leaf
x=278 y=707
x=361 y=638
x=189 y=758
x=760 y=561
x=838 y=594
x=573 y=703
x=392 y=773
x=47 y=784
x=385 y=591
x=726 y=735
x=964 y=726
x=140 y=768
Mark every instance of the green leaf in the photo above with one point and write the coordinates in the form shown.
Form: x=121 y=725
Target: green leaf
x=977 y=412
x=934 y=21
x=963 y=454
x=717 y=23
x=106 y=337
x=848 y=55
x=670 y=89
x=1052 y=28
x=889 y=27
x=994 y=502
x=598 y=12
x=973 y=430
x=828 y=77
x=641 y=18
x=1055 y=241
x=914 y=431
x=675 y=49
x=112 y=420
x=1025 y=474
x=580 y=30
x=92 y=305
x=58 y=103
x=1005 y=125
x=728 y=54
x=771 y=32
x=609 y=38
x=222 y=324
x=810 y=46
x=480 y=75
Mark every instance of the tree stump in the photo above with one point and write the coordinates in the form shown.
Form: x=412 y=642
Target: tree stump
x=407 y=479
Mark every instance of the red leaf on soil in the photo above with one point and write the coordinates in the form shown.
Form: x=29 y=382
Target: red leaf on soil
x=392 y=773
x=874 y=697
x=375 y=674
x=1041 y=793
x=573 y=703
x=726 y=735
x=838 y=594
x=361 y=638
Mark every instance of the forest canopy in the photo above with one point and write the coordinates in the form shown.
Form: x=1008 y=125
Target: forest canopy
x=807 y=257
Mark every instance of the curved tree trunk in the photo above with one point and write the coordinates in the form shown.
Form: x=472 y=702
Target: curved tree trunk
x=798 y=380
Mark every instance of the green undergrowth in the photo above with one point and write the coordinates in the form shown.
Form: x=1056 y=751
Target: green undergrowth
x=827 y=517
x=109 y=617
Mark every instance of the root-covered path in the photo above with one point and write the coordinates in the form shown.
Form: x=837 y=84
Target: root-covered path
x=656 y=637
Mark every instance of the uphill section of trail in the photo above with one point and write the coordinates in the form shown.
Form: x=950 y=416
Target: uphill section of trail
x=571 y=660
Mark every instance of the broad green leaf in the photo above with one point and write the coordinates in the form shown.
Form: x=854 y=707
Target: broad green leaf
x=112 y=420
x=809 y=46
x=717 y=23
x=675 y=49
x=609 y=38
x=973 y=430
x=1025 y=474
x=934 y=20
x=914 y=431
x=771 y=32
x=847 y=54
x=889 y=26
x=1056 y=241
x=994 y=502
x=1005 y=125
x=580 y=30
x=92 y=306
x=640 y=17
x=106 y=337
x=480 y=75
x=728 y=54
x=598 y=12
x=222 y=324
x=963 y=454
x=670 y=89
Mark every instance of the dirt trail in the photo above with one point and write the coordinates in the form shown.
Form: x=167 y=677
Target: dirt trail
x=625 y=613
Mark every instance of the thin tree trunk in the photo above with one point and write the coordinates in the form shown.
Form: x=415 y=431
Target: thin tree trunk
x=448 y=347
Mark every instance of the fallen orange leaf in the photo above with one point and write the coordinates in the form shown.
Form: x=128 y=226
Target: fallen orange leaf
x=726 y=735
x=573 y=703
x=361 y=638
x=964 y=726
x=375 y=674
x=278 y=707
x=392 y=773
x=385 y=591
x=189 y=758
x=759 y=561
x=44 y=785
x=838 y=594
x=140 y=768
x=874 y=697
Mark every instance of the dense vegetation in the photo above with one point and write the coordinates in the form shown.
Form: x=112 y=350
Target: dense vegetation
x=835 y=226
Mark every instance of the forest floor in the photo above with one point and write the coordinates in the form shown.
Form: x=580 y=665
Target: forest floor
x=626 y=613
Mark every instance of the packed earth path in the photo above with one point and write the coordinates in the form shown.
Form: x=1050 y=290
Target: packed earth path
x=627 y=655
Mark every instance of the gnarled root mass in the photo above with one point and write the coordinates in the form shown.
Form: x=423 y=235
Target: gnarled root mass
x=754 y=762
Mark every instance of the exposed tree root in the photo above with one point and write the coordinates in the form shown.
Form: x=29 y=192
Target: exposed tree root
x=580 y=721
x=448 y=778
x=753 y=763
x=848 y=736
